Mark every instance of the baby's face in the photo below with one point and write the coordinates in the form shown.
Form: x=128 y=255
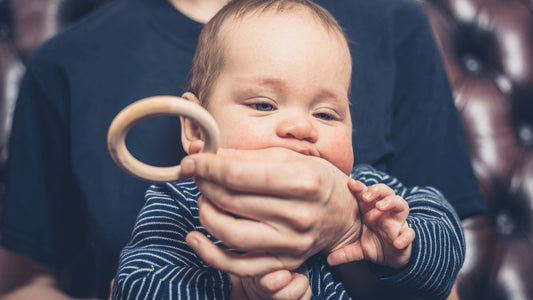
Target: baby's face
x=284 y=83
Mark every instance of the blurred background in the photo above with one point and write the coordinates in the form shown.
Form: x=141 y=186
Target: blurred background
x=487 y=49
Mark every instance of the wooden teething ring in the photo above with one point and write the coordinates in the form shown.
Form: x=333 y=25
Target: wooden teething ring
x=149 y=107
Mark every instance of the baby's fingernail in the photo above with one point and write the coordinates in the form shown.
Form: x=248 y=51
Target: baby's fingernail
x=187 y=166
x=367 y=195
x=383 y=204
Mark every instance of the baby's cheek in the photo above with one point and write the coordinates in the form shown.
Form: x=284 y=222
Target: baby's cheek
x=237 y=137
x=340 y=154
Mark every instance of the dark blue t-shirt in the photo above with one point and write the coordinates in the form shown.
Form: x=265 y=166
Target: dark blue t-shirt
x=70 y=207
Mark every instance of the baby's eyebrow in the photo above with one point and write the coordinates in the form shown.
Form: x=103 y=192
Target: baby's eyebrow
x=266 y=81
x=272 y=81
x=279 y=84
x=330 y=95
x=256 y=83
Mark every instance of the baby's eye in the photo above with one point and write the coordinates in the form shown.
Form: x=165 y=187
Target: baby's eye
x=324 y=116
x=262 y=106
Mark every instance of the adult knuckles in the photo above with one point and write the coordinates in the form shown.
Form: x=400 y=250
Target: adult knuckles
x=309 y=185
x=300 y=248
x=304 y=219
x=204 y=167
x=232 y=172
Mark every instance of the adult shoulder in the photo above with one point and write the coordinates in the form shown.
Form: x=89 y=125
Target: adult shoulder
x=83 y=36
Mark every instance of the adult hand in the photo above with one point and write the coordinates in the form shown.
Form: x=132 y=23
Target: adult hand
x=278 y=206
x=280 y=284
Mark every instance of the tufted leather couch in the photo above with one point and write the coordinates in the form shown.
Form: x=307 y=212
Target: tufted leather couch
x=487 y=48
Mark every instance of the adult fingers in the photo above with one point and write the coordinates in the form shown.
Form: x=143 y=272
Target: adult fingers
x=304 y=177
x=247 y=264
x=280 y=284
x=292 y=214
x=249 y=235
x=274 y=281
x=278 y=154
x=298 y=288
x=346 y=254
x=295 y=234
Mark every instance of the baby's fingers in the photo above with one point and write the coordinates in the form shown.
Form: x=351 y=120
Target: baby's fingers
x=393 y=204
x=403 y=245
x=377 y=191
x=405 y=239
x=357 y=187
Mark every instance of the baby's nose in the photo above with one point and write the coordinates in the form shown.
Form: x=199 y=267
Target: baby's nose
x=298 y=127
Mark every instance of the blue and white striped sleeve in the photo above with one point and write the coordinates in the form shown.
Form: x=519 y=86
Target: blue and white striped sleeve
x=157 y=263
x=439 y=246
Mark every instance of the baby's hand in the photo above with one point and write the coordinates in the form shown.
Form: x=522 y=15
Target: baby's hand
x=386 y=238
x=281 y=284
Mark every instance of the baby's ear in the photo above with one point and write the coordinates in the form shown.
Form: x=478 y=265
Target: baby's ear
x=191 y=133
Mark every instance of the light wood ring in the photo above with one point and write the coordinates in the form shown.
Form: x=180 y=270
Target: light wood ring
x=149 y=107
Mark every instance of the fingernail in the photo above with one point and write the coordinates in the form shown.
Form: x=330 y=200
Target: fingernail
x=367 y=195
x=383 y=204
x=187 y=166
x=193 y=242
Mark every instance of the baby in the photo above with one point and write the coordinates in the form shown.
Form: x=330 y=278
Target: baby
x=277 y=73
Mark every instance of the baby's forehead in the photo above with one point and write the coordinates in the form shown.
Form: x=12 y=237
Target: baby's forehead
x=257 y=22
x=239 y=19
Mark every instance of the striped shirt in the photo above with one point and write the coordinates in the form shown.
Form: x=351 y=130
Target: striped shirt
x=158 y=264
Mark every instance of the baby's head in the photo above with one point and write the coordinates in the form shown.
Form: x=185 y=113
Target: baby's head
x=275 y=73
